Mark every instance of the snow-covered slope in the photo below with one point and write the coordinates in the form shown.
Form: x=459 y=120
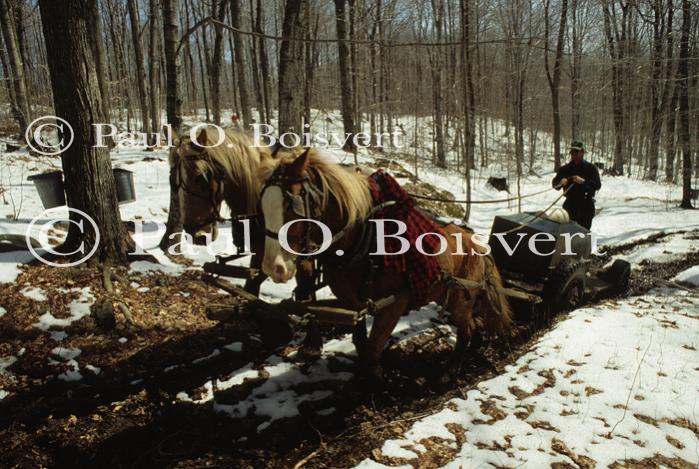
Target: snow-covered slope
x=616 y=382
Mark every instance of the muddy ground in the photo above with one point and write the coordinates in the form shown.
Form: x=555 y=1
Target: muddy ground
x=128 y=415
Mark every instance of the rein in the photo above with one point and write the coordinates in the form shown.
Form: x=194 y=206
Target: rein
x=467 y=201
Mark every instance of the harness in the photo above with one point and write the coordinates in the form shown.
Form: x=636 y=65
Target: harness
x=178 y=182
x=308 y=202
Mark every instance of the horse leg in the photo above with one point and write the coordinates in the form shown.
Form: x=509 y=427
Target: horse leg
x=461 y=308
x=252 y=285
x=384 y=323
x=312 y=345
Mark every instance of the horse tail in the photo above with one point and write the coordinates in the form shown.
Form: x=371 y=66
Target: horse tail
x=495 y=308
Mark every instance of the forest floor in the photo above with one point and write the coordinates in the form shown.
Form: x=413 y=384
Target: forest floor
x=182 y=391
x=615 y=383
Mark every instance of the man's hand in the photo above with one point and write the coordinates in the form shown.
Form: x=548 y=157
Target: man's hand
x=578 y=180
x=564 y=182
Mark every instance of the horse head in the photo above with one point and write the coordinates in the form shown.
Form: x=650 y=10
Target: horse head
x=301 y=185
x=199 y=180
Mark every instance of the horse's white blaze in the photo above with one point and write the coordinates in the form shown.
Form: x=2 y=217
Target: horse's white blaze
x=278 y=264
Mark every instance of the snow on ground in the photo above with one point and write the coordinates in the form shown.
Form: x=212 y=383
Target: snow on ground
x=78 y=309
x=629 y=368
x=281 y=385
x=667 y=249
x=690 y=275
x=613 y=382
x=36 y=294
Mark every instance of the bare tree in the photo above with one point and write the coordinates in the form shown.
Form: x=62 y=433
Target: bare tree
x=220 y=13
x=291 y=71
x=16 y=68
x=240 y=62
x=89 y=180
x=348 y=110
x=555 y=78
x=140 y=69
x=174 y=110
x=683 y=85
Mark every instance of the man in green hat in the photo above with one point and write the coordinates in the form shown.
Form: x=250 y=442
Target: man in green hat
x=581 y=180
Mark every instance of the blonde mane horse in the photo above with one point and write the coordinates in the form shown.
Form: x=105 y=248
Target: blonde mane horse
x=220 y=165
x=343 y=207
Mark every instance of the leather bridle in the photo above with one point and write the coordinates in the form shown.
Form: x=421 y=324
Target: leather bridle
x=308 y=201
x=306 y=204
x=215 y=199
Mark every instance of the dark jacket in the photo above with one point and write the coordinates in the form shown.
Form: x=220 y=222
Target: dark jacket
x=579 y=192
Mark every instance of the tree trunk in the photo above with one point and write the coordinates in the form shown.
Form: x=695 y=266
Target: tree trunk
x=216 y=64
x=345 y=70
x=140 y=70
x=256 y=80
x=555 y=80
x=240 y=63
x=264 y=64
x=616 y=43
x=437 y=97
x=683 y=84
x=89 y=181
x=575 y=72
x=14 y=107
x=97 y=45
x=291 y=73
x=9 y=36
x=465 y=65
x=174 y=111
x=153 y=69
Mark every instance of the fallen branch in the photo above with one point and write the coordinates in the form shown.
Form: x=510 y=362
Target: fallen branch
x=107 y=275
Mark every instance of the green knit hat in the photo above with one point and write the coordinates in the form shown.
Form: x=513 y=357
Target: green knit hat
x=577 y=145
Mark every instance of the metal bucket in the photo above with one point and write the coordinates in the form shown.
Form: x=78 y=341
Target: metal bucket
x=50 y=188
x=125 y=188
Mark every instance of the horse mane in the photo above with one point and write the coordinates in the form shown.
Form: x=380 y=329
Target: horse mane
x=240 y=160
x=349 y=189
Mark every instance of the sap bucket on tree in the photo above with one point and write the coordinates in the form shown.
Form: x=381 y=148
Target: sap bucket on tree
x=126 y=192
x=50 y=188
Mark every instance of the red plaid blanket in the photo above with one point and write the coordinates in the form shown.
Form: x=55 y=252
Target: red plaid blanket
x=422 y=270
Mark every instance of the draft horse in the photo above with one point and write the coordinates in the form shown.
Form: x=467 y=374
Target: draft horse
x=303 y=185
x=214 y=169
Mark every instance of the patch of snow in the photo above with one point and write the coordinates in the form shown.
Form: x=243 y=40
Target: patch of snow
x=610 y=382
x=34 y=293
x=3 y=311
x=58 y=336
x=234 y=347
x=213 y=354
x=690 y=275
x=168 y=369
x=78 y=309
x=123 y=340
x=664 y=250
x=68 y=355
x=3 y=394
x=95 y=369
x=12 y=263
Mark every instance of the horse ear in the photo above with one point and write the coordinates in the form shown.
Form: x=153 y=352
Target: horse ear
x=300 y=164
x=201 y=138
